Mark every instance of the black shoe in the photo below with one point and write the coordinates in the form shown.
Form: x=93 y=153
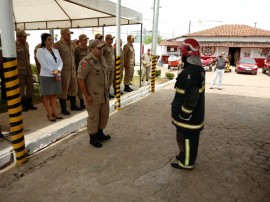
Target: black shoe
x=75 y=108
x=130 y=89
x=101 y=136
x=94 y=141
x=111 y=96
x=32 y=107
x=65 y=112
x=176 y=165
x=24 y=109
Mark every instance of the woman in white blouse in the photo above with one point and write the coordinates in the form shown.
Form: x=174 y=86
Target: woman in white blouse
x=51 y=66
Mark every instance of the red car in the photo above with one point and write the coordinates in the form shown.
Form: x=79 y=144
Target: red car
x=246 y=65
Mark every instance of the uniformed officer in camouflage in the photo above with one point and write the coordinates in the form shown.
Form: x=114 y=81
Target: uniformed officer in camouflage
x=93 y=82
x=121 y=66
x=24 y=70
x=108 y=53
x=129 y=58
x=80 y=52
x=99 y=37
x=68 y=73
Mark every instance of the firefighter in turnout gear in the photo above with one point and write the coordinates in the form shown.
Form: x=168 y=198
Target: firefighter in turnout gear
x=188 y=105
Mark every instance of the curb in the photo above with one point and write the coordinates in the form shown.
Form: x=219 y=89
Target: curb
x=40 y=139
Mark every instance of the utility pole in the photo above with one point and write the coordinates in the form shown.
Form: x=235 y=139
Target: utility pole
x=154 y=44
x=11 y=80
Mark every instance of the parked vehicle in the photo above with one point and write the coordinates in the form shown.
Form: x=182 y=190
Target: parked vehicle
x=205 y=64
x=266 y=67
x=246 y=65
x=174 y=61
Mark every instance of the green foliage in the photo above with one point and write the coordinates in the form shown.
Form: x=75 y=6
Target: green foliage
x=34 y=69
x=169 y=75
x=158 y=73
x=149 y=39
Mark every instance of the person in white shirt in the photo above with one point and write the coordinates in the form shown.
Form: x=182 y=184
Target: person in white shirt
x=50 y=82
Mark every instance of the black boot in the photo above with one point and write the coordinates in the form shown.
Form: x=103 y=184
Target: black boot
x=63 y=107
x=73 y=105
x=82 y=106
x=101 y=136
x=127 y=88
x=94 y=141
x=24 y=104
x=29 y=104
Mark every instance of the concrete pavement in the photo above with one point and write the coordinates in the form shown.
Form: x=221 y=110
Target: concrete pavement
x=232 y=166
x=39 y=132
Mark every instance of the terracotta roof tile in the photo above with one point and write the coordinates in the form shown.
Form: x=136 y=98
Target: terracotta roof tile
x=231 y=30
x=170 y=43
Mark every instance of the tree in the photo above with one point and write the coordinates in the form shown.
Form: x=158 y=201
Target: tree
x=149 y=39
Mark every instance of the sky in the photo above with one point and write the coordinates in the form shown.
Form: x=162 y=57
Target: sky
x=176 y=15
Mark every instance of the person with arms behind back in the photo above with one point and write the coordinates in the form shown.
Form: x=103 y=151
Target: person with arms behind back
x=129 y=59
x=188 y=105
x=93 y=82
x=147 y=62
x=24 y=71
x=51 y=65
x=80 y=52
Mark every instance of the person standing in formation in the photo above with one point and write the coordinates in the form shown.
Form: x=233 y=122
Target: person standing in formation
x=80 y=52
x=147 y=62
x=24 y=71
x=99 y=37
x=51 y=65
x=93 y=81
x=68 y=73
x=108 y=53
x=129 y=58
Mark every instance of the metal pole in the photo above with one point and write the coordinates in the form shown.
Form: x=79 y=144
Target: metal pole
x=141 y=58
x=118 y=55
x=154 y=45
x=11 y=80
x=189 y=26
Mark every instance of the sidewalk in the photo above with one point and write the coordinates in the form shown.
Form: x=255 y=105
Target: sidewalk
x=39 y=132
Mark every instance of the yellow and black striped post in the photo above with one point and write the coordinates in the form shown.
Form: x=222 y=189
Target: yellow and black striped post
x=14 y=108
x=117 y=83
x=153 y=74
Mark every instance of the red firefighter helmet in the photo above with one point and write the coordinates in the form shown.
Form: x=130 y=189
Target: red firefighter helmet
x=190 y=47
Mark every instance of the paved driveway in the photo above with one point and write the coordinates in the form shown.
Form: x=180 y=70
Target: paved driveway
x=233 y=162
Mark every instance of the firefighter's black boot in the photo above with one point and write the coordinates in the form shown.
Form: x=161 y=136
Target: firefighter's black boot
x=127 y=88
x=29 y=104
x=63 y=107
x=101 y=136
x=82 y=106
x=94 y=141
x=73 y=105
x=24 y=104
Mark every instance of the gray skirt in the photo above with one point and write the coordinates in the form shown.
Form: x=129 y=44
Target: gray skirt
x=49 y=86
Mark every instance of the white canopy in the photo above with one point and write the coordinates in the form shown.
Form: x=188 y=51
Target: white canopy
x=57 y=14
